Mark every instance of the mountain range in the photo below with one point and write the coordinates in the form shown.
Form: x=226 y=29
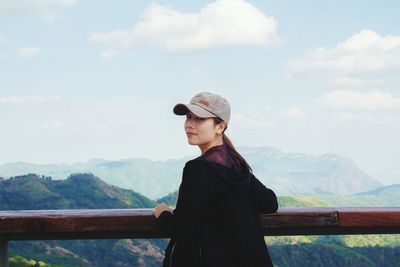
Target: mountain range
x=285 y=173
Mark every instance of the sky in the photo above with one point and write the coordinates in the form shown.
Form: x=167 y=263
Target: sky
x=98 y=79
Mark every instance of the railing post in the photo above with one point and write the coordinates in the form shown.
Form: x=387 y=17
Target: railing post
x=3 y=253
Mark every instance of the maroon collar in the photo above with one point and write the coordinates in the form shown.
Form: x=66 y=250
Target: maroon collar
x=220 y=154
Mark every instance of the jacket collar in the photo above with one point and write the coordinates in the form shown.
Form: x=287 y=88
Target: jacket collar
x=237 y=181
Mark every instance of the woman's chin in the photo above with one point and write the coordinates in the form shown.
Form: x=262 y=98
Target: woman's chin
x=191 y=142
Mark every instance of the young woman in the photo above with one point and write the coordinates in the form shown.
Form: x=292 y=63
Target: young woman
x=216 y=220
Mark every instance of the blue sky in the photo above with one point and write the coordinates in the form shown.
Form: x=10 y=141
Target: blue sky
x=95 y=79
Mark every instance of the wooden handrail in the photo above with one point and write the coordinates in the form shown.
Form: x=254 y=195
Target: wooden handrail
x=140 y=223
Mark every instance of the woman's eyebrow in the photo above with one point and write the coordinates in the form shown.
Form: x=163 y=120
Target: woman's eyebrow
x=192 y=114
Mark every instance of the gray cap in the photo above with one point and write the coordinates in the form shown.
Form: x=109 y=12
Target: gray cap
x=205 y=105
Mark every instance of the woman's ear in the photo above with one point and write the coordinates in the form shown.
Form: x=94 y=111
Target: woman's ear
x=222 y=126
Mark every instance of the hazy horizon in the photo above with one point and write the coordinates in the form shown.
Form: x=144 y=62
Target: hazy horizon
x=384 y=179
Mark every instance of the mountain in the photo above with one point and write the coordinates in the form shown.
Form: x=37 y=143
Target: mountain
x=78 y=191
x=385 y=196
x=393 y=190
x=285 y=173
x=169 y=199
x=296 y=173
x=150 y=178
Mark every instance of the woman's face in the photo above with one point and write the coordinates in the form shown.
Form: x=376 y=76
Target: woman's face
x=200 y=130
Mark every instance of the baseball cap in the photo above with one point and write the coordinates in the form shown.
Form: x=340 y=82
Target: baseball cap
x=205 y=105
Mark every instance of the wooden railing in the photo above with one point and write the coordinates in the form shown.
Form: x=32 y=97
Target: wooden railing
x=140 y=223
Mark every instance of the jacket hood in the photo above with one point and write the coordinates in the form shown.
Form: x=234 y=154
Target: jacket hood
x=238 y=182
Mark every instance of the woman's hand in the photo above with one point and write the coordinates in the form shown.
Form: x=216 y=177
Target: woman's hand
x=160 y=208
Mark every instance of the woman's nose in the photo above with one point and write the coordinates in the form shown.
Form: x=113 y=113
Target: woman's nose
x=189 y=123
x=188 y=127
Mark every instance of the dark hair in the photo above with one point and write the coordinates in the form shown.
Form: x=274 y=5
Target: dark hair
x=230 y=146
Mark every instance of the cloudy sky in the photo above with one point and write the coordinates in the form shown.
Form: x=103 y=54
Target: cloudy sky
x=98 y=79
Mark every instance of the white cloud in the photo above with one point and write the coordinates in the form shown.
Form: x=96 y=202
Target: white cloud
x=53 y=125
x=359 y=64
x=3 y=39
x=13 y=6
x=50 y=18
x=221 y=23
x=109 y=53
x=251 y=120
x=29 y=51
x=28 y=99
x=195 y=72
x=344 y=81
x=294 y=112
x=357 y=100
x=361 y=53
x=353 y=116
x=41 y=8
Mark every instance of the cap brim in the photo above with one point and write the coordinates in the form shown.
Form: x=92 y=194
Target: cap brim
x=182 y=109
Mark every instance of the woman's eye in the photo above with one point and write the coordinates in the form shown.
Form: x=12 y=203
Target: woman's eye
x=194 y=117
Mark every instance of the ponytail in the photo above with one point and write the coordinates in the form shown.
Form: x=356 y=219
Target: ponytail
x=231 y=148
x=234 y=152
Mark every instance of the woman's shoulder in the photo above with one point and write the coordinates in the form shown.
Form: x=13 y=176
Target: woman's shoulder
x=198 y=174
x=201 y=161
x=201 y=167
x=197 y=162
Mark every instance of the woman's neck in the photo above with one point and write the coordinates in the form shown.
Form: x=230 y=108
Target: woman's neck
x=207 y=146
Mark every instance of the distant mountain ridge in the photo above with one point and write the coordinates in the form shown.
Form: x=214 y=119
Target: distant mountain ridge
x=385 y=190
x=80 y=190
x=298 y=173
x=285 y=173
x=385 y=196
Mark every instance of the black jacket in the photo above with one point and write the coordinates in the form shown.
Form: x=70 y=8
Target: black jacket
x=216 y=220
